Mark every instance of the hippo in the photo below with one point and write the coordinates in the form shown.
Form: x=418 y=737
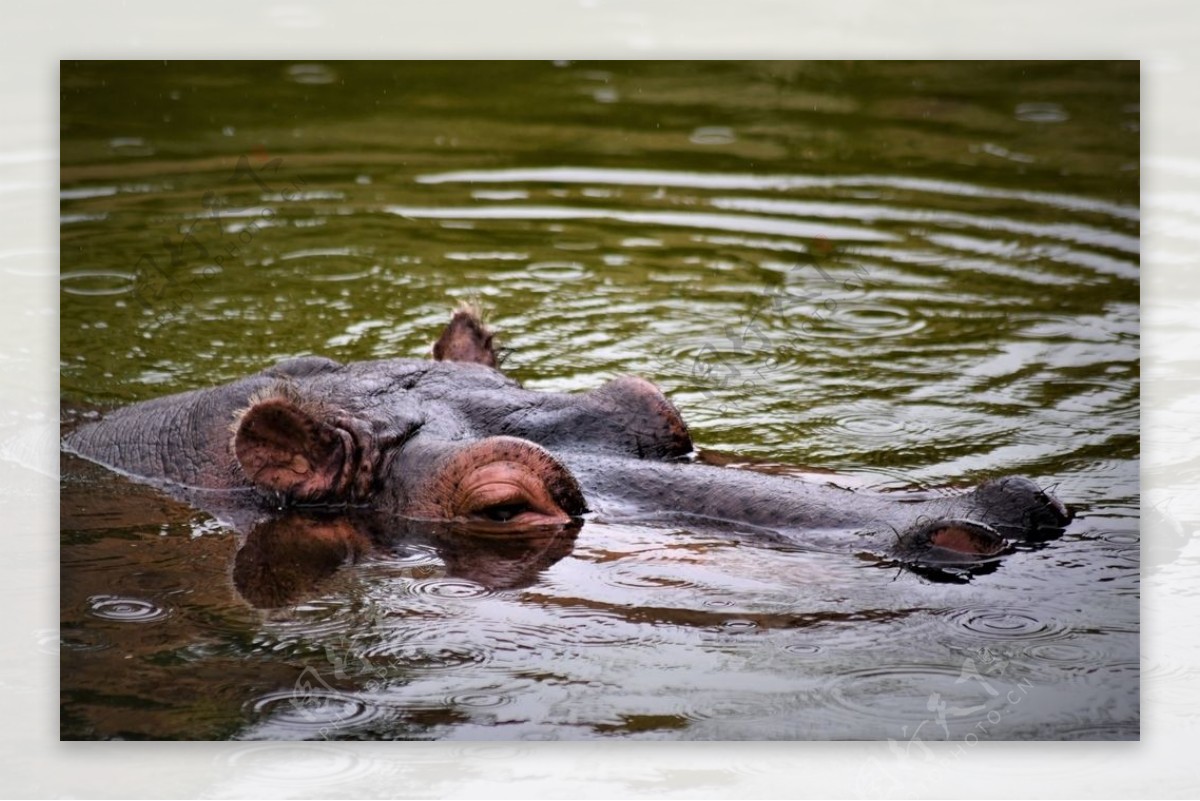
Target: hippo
x=284 y=557
x=452 y=439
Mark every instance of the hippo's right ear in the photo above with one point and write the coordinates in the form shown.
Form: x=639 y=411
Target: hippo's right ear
x=467 y=338
x=287 y=449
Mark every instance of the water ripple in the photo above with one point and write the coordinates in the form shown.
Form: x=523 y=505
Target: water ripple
x=427 y=645
x=856 y=320
x=581 y=627
x=86 y=192
x=410 y=555
x=1041 y=112
x=804 y=649
x=1122 y=538
x=914 y=693
x=701 y=180
x=725 y=706
x=309 y=711
x=98 y=282
x=557 y=270
x=742 y=223
x=477 y=700
x=125 y=610
x=310 y=74
x=1003 y=624
x=713 y=135
x=311 y=621
x=1064 y=654
x=130 y=146
x=871 y=424
x=1074 y=232
x=331 y=265
x=447 y=588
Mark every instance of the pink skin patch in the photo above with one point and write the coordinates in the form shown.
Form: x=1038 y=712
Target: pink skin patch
x=954 y=538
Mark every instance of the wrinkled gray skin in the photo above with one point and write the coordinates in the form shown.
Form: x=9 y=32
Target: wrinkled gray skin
x=620 y=451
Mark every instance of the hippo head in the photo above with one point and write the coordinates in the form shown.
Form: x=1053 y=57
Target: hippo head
x=454 y=439
x=301 y=452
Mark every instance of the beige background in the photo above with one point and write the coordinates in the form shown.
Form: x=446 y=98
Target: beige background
x=34 y=37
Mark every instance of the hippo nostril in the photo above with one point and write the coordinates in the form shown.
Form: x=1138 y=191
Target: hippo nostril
x=951 y=541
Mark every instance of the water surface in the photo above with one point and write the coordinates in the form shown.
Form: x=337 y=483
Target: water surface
x=913 y=275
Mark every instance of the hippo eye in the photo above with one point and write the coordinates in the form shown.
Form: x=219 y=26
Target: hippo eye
x=502 y=513
x=509 y=484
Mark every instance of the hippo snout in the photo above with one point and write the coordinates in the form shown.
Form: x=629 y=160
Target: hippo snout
x=1020 y=509
x=983 y=523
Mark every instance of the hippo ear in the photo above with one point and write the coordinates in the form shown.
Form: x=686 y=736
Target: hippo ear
x=286 y=449
x=467 y=339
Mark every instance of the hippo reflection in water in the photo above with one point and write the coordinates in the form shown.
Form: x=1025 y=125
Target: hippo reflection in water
x=453 y=439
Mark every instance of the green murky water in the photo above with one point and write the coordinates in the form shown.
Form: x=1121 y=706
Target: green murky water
x=911 y=274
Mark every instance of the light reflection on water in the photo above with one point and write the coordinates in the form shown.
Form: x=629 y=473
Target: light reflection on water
x=930 y=329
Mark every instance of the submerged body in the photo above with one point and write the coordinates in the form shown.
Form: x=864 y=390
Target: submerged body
x=453 y=439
